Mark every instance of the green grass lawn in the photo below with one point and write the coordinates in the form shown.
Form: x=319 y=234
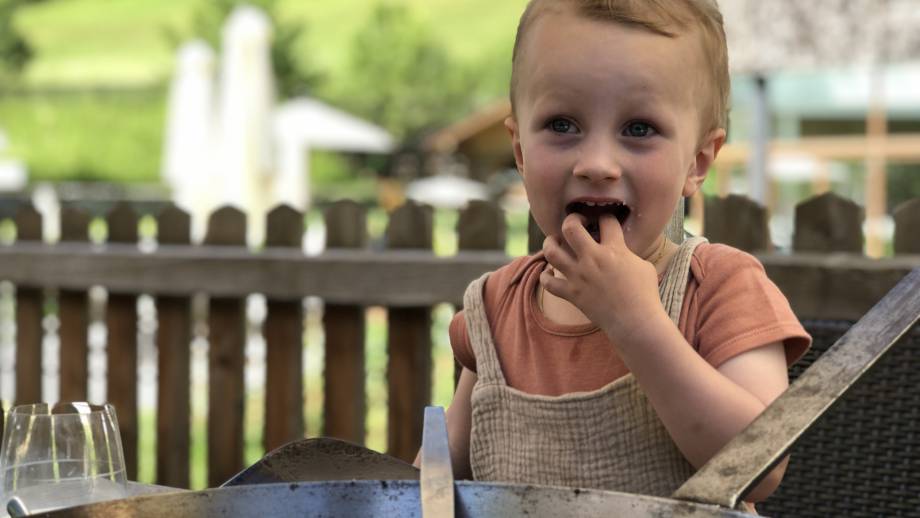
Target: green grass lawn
x=87 y=135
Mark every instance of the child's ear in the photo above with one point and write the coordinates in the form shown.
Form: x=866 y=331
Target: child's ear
x=512 y=127
x=705 y=156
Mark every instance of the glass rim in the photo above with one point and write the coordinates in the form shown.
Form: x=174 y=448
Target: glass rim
x=61 y=408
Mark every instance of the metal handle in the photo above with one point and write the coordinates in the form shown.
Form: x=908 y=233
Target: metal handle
x=16 y=507
x=437 y=475
x=747 y=458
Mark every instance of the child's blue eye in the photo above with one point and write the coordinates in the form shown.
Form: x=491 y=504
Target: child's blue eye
x=637 y=130
x=561 y=125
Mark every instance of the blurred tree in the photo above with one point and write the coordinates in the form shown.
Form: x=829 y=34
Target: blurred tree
x=401 y=77
x=15 y=51
x=292 y=75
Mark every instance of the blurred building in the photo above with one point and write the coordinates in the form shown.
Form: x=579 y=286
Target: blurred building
x=481 y=139
x=851 y=130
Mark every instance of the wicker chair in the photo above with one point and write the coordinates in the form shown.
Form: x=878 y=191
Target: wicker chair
x=863 y=457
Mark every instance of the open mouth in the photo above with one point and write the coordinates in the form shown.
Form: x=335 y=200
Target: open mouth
x=592 y=211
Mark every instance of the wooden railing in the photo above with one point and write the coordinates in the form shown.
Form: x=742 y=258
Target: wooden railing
x=826 y=277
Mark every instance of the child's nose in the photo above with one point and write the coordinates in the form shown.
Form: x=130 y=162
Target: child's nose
x=597 y=162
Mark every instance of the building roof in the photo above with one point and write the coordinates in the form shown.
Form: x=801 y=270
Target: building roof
x=448 y=139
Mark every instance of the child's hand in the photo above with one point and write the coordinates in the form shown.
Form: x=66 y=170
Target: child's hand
x=612 y=286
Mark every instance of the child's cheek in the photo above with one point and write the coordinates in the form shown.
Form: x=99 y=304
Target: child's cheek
x=546 y=194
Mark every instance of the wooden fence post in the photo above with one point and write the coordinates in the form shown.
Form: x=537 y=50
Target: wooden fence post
x=828 y=223
x=121 y=343
x=737 y=221
x=344 y=401
x=174 y=336
x=74 y=316
x=284 y=343
x=29 y=314
x=907 y=227
x=408 y=342
x=823 y=224
x=227 y=340
x=481 y=226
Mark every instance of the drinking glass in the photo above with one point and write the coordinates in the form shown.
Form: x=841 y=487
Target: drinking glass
x=61 y=455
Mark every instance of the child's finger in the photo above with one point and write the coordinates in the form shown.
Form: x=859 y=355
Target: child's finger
x=554 y=285
x=610 y=229
x=558 y=254
x=576 y=235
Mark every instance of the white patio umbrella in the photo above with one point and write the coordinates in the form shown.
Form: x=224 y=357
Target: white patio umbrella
x=246 y=100
x=304 y=124
x=238 y=149
x=450 y=192
x=189 y=140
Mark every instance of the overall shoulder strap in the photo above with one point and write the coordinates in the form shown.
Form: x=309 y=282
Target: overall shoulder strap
x=674 y=285
x=488 y=368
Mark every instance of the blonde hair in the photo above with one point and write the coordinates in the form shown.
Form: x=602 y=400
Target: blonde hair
x=664 y=17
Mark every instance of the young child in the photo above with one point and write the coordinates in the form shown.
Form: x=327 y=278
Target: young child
x=615 y=358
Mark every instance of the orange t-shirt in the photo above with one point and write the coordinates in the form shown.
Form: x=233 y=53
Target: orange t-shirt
x=730 y=307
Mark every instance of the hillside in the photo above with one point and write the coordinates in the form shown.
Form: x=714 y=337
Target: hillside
x=92 y=42
x=96 y=100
